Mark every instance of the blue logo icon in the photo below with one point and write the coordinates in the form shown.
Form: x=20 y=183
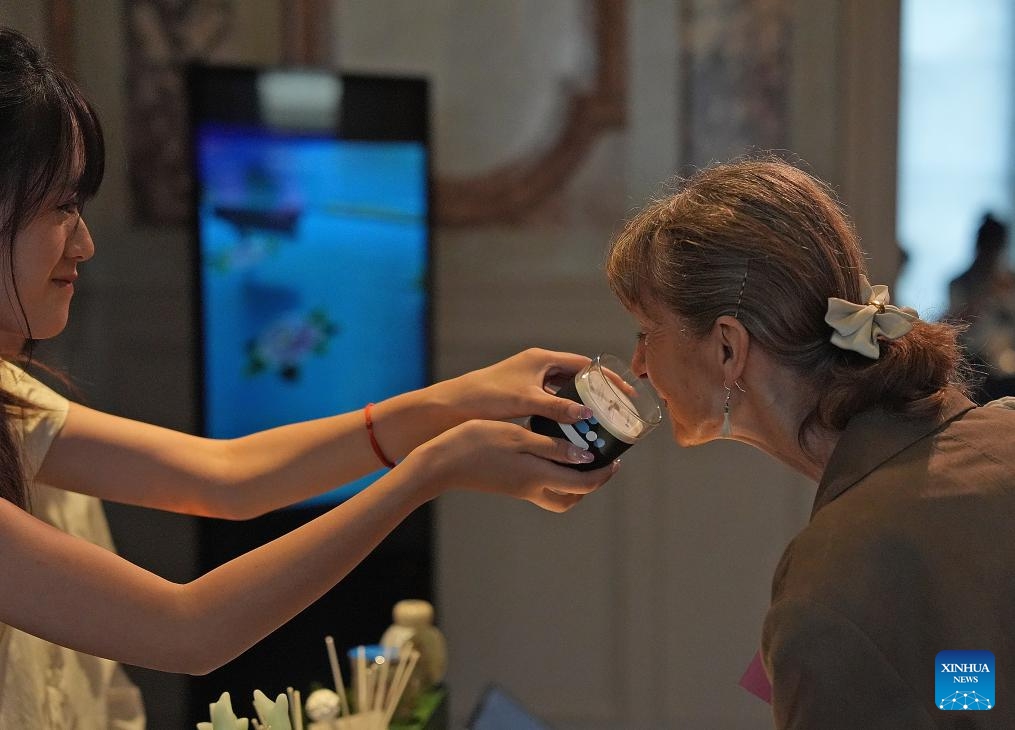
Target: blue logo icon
x=964 y=680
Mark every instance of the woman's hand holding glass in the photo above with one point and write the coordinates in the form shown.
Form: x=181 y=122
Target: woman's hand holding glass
x=479 y=449
x=506 y=458
x=517 y=387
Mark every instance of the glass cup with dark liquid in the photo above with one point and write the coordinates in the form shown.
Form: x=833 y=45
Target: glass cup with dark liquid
x=624 y=410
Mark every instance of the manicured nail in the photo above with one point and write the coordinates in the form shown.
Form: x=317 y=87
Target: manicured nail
x=577 y=411
x=581 y=456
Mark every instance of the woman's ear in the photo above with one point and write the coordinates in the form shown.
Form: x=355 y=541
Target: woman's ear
x=733 y=342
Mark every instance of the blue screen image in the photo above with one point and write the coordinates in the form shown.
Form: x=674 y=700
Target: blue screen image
x=314 y=269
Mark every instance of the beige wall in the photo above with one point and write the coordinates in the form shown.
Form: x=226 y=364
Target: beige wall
x=621 y=613
x=28 y=17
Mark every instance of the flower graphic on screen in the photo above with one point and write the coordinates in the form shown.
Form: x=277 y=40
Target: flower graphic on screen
x=247 y=253
x=285 y=344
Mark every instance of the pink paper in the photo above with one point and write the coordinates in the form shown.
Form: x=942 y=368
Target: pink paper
x=756 y=681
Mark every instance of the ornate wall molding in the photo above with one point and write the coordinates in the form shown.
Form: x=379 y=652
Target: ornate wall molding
x=165 y=34
x=162 y=36
x=508 y=192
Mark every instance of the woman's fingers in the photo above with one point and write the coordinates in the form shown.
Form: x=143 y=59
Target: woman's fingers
x=568 y=481
x=513 y=461
x=557 y=370
x=560 y=450
x=557 y=449
x=564 y=495
x=562 y=410
x=559 y=363
x=556 y=501
x=514 y=388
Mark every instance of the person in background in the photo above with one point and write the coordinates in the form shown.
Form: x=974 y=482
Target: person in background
x=758 y=324
x=983 y=296
x=70 y=607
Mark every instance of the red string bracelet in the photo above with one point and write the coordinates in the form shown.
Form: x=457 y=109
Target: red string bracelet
x=373 y=439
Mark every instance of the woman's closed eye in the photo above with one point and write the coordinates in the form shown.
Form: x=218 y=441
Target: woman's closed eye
x=70 y=207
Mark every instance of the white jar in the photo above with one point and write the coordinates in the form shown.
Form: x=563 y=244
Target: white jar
x=413 y=621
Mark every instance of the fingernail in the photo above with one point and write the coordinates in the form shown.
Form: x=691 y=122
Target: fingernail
x=616 y=464
x=581 y=456
x=577 y=411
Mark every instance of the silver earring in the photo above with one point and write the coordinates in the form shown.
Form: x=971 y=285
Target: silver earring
x=727 y=425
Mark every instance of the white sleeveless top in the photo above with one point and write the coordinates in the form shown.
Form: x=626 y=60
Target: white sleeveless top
x=44 y=686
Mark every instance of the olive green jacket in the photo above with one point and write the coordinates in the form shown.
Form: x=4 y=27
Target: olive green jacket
x=910 y=551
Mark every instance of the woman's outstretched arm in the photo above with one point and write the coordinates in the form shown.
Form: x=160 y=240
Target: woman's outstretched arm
x=135 y=463
x=73 y=593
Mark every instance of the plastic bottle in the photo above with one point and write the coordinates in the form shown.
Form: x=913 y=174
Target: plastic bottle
x=413 y=621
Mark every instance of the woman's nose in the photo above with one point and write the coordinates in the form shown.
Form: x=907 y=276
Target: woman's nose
x=80 y=247
x=638 y=360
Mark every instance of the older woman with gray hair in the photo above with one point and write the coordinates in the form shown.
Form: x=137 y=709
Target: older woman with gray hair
x=758 y=324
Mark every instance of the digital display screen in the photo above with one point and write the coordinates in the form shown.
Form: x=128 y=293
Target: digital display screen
x=313 y=263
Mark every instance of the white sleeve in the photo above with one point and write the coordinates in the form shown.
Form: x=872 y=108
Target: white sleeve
x=37 y=427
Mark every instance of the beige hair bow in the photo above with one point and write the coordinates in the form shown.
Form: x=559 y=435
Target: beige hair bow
x=858 y=326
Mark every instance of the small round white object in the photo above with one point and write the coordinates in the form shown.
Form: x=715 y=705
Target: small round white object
x=322 y=705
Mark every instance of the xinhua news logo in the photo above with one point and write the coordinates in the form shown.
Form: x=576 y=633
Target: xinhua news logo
x=964 y=680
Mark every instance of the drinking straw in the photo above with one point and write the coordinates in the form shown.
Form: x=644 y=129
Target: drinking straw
x=403 y=661
x=396 y=695
x=299 y=711
x=404 y=652
x=361 y=678
x=382 y=681
x=336 y=675
x=368 y=687
x=295 y=708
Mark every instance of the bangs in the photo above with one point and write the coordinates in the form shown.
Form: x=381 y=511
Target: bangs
x=630 y=267
x=56 y=149
x=75 y=164
x=90 y=149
